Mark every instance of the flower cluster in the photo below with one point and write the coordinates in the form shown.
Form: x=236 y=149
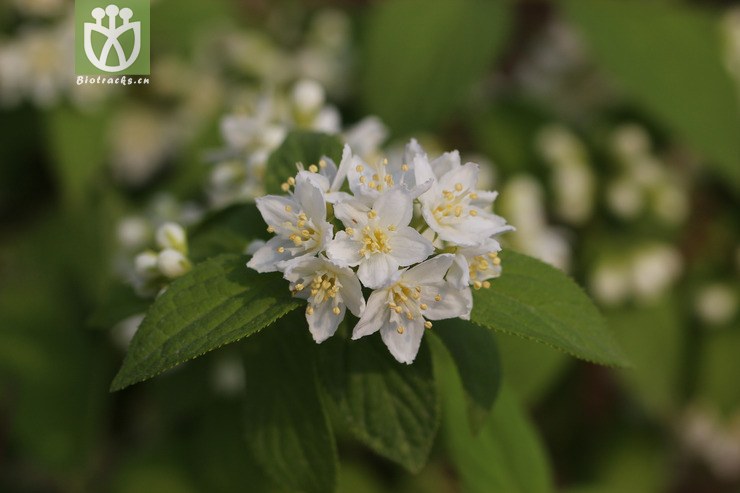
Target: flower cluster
x=417 y=234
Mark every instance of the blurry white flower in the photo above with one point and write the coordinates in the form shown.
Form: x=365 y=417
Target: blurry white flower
x=716 y=304
x=172 y=235
x=366 y=137
x=308 y=97
x=133 y=232
x=172 y=263
x=401 y=310
x=610 y=282
x=378 y=239
x=654 y=269
x=624 y=198
x=329 y=289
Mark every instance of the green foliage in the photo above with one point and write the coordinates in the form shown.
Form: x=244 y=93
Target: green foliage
x=391 y=407
x=669 y=58
x=220 y=301
x=717 y=374
x=505 y=456
x=423 y=57
x=476 y=357
x=77 y=143
x=654 y=337
x=299 y=147
x=226 y=231
x=536 y=301
x=286 y=427
x=530 y=381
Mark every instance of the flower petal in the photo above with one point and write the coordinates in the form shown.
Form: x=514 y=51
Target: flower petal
x=374 y=316
x=445 y=163
x=267 y=258
x=377 y=270
x=408 y=246
x=459 y=273
x=466 y=175
x=405 y=346
x=352 y=213
x=453 y=302
x=430 y=272
x=273 y=210
x=344 y=251
x=323 y=322
x=351 y=291
x=395 y=208
x=310 y=198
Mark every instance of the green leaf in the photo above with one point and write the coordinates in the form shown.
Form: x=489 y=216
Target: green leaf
x=505 y=456
x=422 y=57
x=77 y=143
x=536 y=301
x=287 y=429
x=717 y=370
x=219 y=302
x=391 y=407
x=654 y=336
x=476 y=357
x=528 y=381
x=669 y=58
x=227 y=231
x=299 y=147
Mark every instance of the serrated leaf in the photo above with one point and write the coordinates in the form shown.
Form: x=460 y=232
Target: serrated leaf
x=220 y=301
x=421 y=58
x=474 y=351
x=287 y=429
x=536 y=301
x=227 y=231
x=299 y=147
x=505 y=456
x=669 y=58
x=391 y=407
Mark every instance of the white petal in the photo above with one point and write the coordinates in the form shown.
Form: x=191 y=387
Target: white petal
x=344 y=164
x=272 y=208
x=334 y=197
x=351 y=291
x=404 y=347
x=344 y=251
x=267 y=258
x=409 y=247
x=411 y=151
x=430 y=272
x=323 y=322
x=459 y=273
x=453 y=303
x=352 y=213
x=466 y=175
x=319 y=181
x=377 y=270
x=374 y=316
x=422 y=169
x=311 y=199
x=445 y=163
x=395 y=207
x=302 y=267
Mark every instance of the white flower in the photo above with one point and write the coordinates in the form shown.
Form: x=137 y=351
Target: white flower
x=369 y=180
x=299 y=223
x=379 y=240
x=402 y=310
x=172 y=263
x=171 y=235
x=452 y=206
x=474 y=266
x=327 y=177
x=329 y=289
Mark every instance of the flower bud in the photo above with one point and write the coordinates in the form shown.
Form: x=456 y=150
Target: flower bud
x=172 y=263
x=145 y=265
x=171 y=235
x=308 y=96
x=133 y=233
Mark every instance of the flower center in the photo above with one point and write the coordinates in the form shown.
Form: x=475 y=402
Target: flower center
x=480 y=264
x=300 y=230
x=455 y=203
x=374 y=240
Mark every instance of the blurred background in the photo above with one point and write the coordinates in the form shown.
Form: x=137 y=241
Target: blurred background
x=610 y=128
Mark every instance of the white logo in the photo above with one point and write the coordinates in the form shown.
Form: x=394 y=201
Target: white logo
x=112 y=33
